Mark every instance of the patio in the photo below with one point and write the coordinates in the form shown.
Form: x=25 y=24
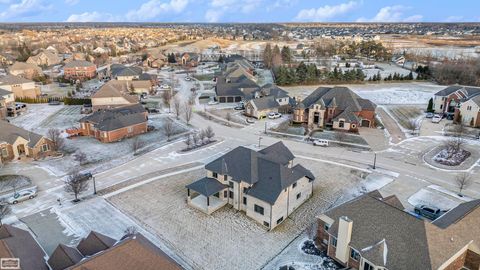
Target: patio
x=206 y=195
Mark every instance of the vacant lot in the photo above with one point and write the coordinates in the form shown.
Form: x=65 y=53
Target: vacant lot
x=405 y=113
x=208 y=241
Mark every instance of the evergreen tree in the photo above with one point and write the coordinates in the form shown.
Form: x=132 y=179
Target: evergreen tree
x=286 y=54
x=430 y=105
x=301 y=73
x=268 y=56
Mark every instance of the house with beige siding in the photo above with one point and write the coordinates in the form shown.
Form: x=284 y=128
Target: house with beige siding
x=19 y=86
x=113 y=94
x=372 y=232
x=45 y=58
x=25 y=70
x=463 y=102
x=269 y=98
x=18 y=143
x=264 y=184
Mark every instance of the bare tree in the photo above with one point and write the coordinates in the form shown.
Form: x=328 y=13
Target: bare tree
x=76 y=184
x=177 y=107
x=209 y=133
x=201 y=136
x=168 y=128
x=80 y=157
x=412 y=125
x=130 y=231
x=167 y=99
x=55 y=135
x=453 y=145
x=188 y=112
x=137 y=144
x=188 y=141
x=5 y=210
x=463 y=181
x=228 y=117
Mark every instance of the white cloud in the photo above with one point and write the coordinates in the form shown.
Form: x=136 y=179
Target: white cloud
x=72 y=2
x=326 y=12
x=219 y=8
x=154 y=8
x=24 y=8
x=393 y=14
x=92 y=17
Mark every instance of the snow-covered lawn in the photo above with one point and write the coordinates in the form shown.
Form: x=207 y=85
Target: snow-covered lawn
x=393 y=93
x=432 y=196
x=208 y=241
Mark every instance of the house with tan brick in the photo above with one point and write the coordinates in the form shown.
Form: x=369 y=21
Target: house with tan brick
x=45 y=58
x=100 y=252
x=113 y=94
x=25 y=70
x=264 y=184
x=79 y=70
x=335 y=107
x=17 y=143
x=374 y=232
x=111 y=125
x=19 y=86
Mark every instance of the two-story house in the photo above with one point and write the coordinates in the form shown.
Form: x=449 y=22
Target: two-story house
x=269 y=98
x=372 y=232
x=264 y=184
x=463 y=102
x=336 y=107
x=19 y=86
x=79 y=70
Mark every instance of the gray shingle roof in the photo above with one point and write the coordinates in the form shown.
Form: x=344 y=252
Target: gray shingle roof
x=9 y=133
x=265 y=103
x=63 y=257
x=120 y=70
x=207 y=186
x=94 y=243
x=78 y=63
x=266 y=170
x=12 y=79
x=4 y=92
x=456 y=214
x=112 y=119
x=242 y=86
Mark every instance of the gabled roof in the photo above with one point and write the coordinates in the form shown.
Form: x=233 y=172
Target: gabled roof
x=241 y=86
x=24 y=66
x=112 y=119
x=456 y=214
x=4 y=92
x=78 y=63
x=340 y=97
x=12 y=79
x=9 y=134
x=115 y=89
x=265 y=103
x=63 y=257
x=273 y=90
x=121 y=70
x=207 y=186
x=94 y=243
x=267 y=170
x=18 y=243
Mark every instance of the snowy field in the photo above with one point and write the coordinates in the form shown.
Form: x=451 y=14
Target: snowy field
x=210 y=240
x=101 y=156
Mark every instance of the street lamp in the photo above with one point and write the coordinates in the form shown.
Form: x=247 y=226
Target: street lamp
x=259 y=139
x=374 y=160
x=94 y=186
x=265 y=127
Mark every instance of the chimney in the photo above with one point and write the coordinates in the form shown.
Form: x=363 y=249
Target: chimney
x=343 y=240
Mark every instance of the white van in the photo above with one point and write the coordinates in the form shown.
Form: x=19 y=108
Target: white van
x=320 y=142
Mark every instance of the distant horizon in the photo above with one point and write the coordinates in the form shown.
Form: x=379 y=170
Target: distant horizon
x=241 y=11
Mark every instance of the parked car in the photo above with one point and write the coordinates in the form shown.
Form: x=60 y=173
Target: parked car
x=274 y=115
x=212 y=102
x=164 y=86
x=250 y=121
x=188 y=79
x=428 y=211
x=54 y=102
x=429 y=115
x=239 y=108
x=21 y=196
x=153 y=110
x=320 y=142
x=436 y=118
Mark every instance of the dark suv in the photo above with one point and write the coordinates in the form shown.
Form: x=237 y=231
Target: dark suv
x=428 y=211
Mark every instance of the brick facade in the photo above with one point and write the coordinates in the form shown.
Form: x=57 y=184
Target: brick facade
x=87 y=129
x=80 y=73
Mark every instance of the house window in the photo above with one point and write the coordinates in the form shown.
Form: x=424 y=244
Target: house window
x=441 y=107
x=215 y=175
x=279 y=220
x=294 y=185
x=130 y=129
x=245 y=190
x=258 y=209
x=225 y=194
x=230 y=194
x=266 y=224
x=367 y=266
x=230 y=184
x=104 y=134
x=333 y=241
x=299 y=195
x=4 y=152
x=245 y=200
x=225 y=177
x=45 y=148
x=326 y=227
x=341 y=124
x=354 y=254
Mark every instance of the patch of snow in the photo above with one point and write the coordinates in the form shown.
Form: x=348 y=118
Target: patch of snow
x=450 y=193
x=430 y=198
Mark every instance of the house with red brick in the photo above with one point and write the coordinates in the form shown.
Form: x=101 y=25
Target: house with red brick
x=335 y=107
x=79 y=70
x=374 y=232
x=111 y=125
x=100 y=252
x=462 y=102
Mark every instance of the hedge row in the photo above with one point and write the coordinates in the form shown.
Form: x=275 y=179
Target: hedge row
x=65 y=100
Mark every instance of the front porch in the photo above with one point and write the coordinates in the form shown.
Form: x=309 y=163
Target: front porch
x=204 y=195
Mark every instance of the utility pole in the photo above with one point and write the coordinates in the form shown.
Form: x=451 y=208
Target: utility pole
x=94 y=186
x=259 y=139
x=265 y=127
x=374 y=160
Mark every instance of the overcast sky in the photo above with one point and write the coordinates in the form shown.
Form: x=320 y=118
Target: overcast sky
x=240 y=10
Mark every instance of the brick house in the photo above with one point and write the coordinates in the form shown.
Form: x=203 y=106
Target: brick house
x=113 y=94
x=16 y=143
x=98 y=251
x=79 y=70
x=374 y=232
x=190 y=59
x=25 y=70
x=269 y=98
x=111 y=125
x=264 y=185
x=463 y=102
x=336 y=107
